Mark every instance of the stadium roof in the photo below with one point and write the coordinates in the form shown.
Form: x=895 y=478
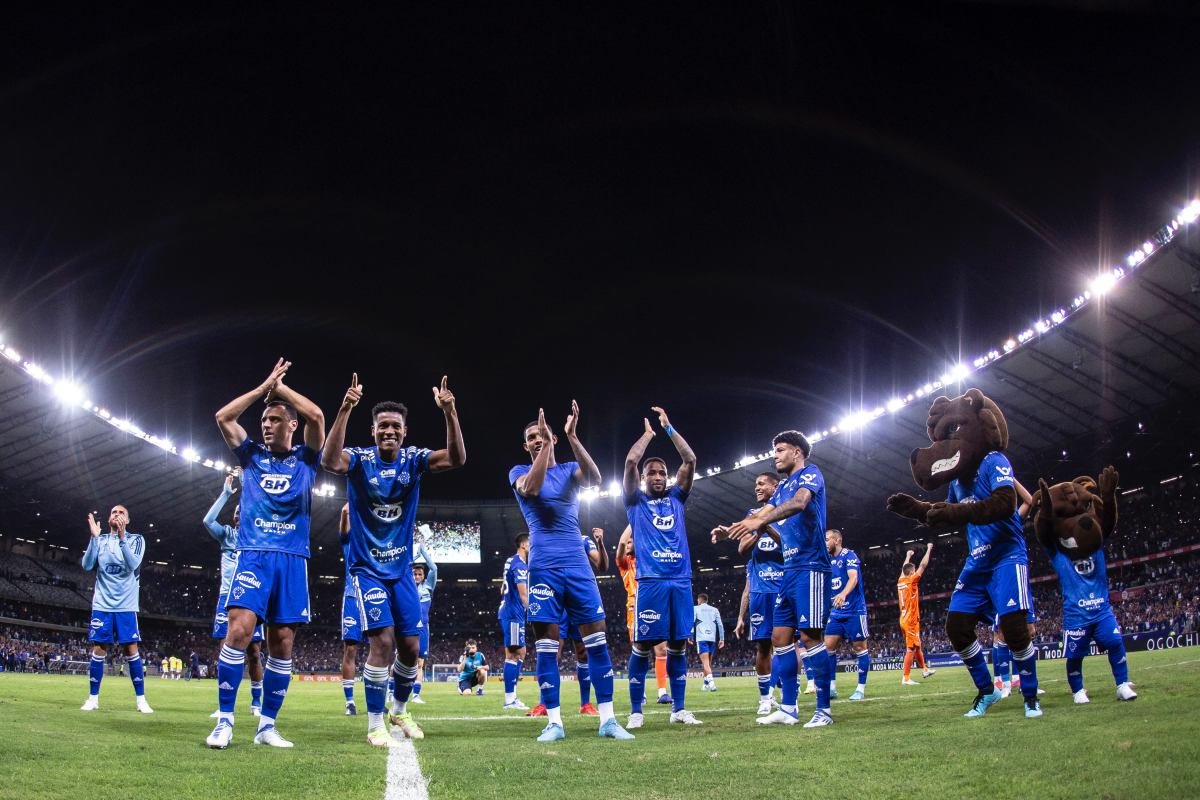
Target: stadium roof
x=1124 y=355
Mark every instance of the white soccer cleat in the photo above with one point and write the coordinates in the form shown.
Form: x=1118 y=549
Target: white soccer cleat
x=379 y=737
x=1005 y=691
x=269 y=735
x=407 y=725
x=635 y=721
x=143 y=706
x=1081 y=697
x=215 y=715
x=810 y=688
x=1125 y=691
x=256 y=710
x=909 y=682
x=516 y=705
x=778 y=717
x=685 y=717
x=820 y=719
x=416 y=698
x=925 y=673
x=764 y=706
x=221 y=735
x=91 y=704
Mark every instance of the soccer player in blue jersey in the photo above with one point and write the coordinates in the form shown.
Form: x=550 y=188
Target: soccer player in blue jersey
x=796 y=514
x=270 y=580
x=353 y=619
x=514 y=606
x=597 y=555
x=116 y=556
x=226 y=536
x=764 y=571
x=848 y=617
x=1087 y=614
x=425 y=576
x=560 y=576
x=663 y=567
x=383 y=486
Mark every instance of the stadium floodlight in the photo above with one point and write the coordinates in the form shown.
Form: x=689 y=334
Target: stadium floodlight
x=69 y=393
x=39 y=373
x=190 y=454
x=895 y=404
x=11 y=354
x=1190 y=213
x=208 y=462
x=1058 y=316
x=1104 y=283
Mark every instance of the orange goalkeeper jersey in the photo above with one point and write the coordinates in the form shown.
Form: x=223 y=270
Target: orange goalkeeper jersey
x=910 y=600
x=626 y=565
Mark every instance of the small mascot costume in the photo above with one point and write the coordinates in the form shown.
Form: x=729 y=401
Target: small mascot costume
x=968 y=435
x=1073 y=521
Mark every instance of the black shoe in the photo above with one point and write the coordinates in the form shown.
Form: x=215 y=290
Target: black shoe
x=351 y=711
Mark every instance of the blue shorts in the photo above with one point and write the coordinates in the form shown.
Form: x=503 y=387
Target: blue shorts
x=801 y=602
x=272 y=584
x=221 y=623
x=852 y=628
x=423 y=633
x=706 y=647
x=997 y=591
x=388 y=604
x=513 y=631
x=1106 y=631
x=107 y=627
x=353 y=627
x=558 y=593
x=663 y=610
x=762 y=615
x=568 y=631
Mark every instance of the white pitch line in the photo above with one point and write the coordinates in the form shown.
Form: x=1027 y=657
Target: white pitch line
x=404 y=778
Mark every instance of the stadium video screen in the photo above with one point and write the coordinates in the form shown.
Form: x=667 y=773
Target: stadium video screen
x=451 y=542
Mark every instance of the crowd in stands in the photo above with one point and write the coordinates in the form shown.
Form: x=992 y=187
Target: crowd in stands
x=452 y=540
x=1161 y=593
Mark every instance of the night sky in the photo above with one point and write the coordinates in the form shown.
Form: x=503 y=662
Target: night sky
x=760 y=217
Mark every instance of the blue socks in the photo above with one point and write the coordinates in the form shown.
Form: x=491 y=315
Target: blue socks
x=347 y=689
x=1075 y=674
x=973 y=659
x=1026 y=662
x=864 y=666
x=677 y=673
x=788 y=669
x=95 y=674
x=375 y=682
x=136 y=674
x=583 y=678
x=1118 y=662
x=512 y=674
x=230 y=666
x=821 y=673
x=276 y=678
x=547 y=672
x=1002 y=661
x=599 y=666
x=639 y=665
x=404 y=677
x=256 y=693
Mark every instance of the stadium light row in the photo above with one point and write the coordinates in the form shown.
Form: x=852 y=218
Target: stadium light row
x=73 y=395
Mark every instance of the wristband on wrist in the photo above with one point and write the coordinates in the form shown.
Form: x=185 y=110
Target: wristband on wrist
x=670 y=430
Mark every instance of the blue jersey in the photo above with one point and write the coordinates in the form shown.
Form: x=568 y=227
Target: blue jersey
x=764 y=568
x=995 y=542
x=843 y=564
x=803 y=534
x=552 y=517
x=1084 y=586
x=471 y=663
x=382 y=496
x=276 y=497
x=516 y=573
x=344 y=539
x=118 y=565
x=227 y=537
x=660 y=544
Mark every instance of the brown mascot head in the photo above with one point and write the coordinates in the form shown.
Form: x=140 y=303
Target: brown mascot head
x=1076 y=517
x=963 y=431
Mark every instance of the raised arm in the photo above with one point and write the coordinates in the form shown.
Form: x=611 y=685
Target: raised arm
x=1025 y=500
x=93 y=549
x=925 y=558
x=530 y=484
x=588 y=473
x=625 y=544
x=455 y=453
x=631 y=481
x=601 y=564
x=752 y=524
x=430 y=568
x=216 y=530
x=333 y=457
x=687 y=470
x=310 y=412
x=227 y=418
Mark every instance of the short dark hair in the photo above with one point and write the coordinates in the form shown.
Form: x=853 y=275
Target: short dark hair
x=773 y=477
x=794 y=438
x=383 y=406
x=420 y=565
x=472 y=642
x=910 y=565
x=652 y=459
x=702 y=597
x=288 y=408
x=521 y=537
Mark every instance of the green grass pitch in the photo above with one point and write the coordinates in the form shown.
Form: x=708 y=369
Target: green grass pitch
x=909 y=741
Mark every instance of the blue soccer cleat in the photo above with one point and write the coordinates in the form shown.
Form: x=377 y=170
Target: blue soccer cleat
x=552 y=733
x=664 y=700
x=833 y=695
x=858 y=695
x=983 y=702
x=611 y=729
x=1032 y=708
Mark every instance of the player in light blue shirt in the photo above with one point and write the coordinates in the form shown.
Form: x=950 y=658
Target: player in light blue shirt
x=663 y=567
x=1087 y=613
x=514 y=605
x=797 y=513
x=227 y=536
x=383 y=487
x=560 y=577
x=270 y=581
x=116 y=556
x=848 y=617
x=708 y=632
x=424 y=572
x=353 y=619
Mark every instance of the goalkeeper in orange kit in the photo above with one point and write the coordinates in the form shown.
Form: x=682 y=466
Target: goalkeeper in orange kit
x=907 y=588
